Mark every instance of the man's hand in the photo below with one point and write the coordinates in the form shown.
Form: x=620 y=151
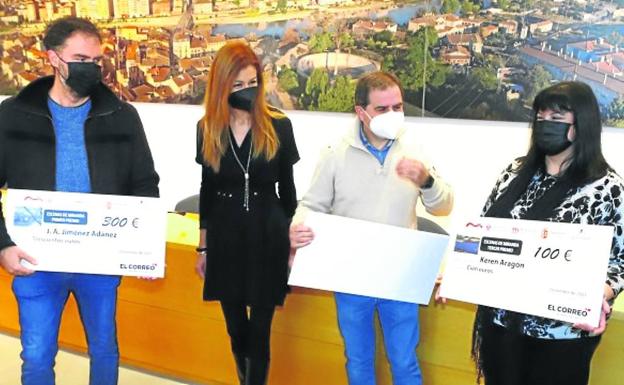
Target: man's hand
x=10 y=258
x=300 y=235
x=438 y=298
x=413 y=170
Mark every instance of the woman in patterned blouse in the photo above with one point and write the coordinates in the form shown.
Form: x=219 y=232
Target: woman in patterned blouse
x=563 y=178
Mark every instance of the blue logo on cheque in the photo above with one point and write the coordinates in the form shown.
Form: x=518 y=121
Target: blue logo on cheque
x=65 y=217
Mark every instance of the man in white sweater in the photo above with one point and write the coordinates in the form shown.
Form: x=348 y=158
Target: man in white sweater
x=375 y=173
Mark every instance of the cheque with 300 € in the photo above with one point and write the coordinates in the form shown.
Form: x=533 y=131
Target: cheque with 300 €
x=88 y=233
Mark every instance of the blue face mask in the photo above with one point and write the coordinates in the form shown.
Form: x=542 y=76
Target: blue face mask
x=551 y=137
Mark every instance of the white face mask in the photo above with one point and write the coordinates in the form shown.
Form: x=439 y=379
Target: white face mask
x=387 y=125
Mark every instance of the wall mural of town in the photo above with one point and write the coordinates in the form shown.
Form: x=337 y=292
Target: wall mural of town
x=470 y=59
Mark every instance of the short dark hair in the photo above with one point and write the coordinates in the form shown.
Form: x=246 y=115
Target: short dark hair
x=378 y=80
x=587 y=162
x=60 y=30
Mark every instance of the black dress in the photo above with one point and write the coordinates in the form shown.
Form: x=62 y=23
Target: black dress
x=247 y=259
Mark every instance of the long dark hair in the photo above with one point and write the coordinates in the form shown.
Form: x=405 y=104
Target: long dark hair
x=587 y=162
x=585 y=165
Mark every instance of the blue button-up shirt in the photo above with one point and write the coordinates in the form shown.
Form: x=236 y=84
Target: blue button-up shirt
x=380 y=154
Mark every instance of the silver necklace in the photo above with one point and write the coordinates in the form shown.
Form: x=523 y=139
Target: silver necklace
x=245 y=171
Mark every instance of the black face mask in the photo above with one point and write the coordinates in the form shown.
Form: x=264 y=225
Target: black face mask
x=83 y=77
x=243 y=99
x=551 y=137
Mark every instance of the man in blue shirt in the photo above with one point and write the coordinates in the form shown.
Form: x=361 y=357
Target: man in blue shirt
x=69 y=133
x=376 y=172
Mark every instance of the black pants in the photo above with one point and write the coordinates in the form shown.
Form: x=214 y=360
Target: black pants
x=250 y=334
x=515 y=359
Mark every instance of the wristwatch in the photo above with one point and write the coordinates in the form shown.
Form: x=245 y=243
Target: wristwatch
x=429 y=182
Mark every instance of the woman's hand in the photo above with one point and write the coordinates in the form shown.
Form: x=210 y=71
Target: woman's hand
x=200 y=264
x=602 y=325
x=609 y=294
x=300 y=235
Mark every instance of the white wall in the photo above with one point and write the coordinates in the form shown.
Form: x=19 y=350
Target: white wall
x=467 y=153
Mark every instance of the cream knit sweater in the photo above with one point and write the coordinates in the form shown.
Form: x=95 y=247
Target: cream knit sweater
x=349 y=181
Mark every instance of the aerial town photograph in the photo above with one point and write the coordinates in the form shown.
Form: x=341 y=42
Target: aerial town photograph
x=466 y=59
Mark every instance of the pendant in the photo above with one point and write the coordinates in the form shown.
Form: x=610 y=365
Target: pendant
x=246 y=198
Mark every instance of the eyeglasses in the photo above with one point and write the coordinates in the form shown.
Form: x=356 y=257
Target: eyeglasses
x=83 y=59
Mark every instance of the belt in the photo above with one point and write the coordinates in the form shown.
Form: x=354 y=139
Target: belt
x=235 y=194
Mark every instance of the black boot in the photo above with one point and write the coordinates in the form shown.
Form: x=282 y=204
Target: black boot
x=257 y=371
x=241 y=367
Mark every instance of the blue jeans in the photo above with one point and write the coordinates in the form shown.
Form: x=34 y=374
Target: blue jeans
x=41 y=298
x=399 y=323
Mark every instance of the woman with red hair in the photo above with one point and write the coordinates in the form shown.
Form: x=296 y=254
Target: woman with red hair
x=245 y=148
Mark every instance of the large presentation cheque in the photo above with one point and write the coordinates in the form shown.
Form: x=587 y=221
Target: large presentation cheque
x=547 y=269
x=372 y=259
x=89 y=233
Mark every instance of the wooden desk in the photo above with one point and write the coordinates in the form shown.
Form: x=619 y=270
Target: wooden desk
x=165 y=327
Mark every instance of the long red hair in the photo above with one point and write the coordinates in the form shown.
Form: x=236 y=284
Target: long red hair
x=229 y=61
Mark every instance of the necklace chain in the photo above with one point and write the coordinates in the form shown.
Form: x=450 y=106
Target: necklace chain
x=245 y=172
